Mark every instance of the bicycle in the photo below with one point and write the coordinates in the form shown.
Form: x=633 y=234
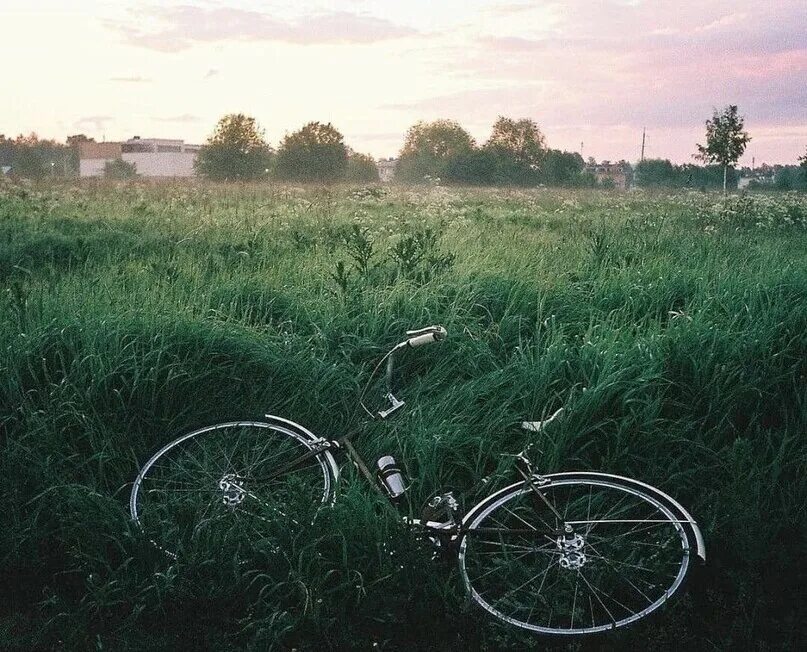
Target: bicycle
x=566 y=554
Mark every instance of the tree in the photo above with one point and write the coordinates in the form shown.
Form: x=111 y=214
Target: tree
x=656 y=172
x=6 y=152
x=236 y=151
x=707 y=176
x=361 y=168
x=803 y=165
x=790 y=177
x=564 y=169
x=119 y=170
x=726 y=139
x=316 y=152
x=519 y=149
x=476 y=166
x=429 y=148
x=36 y=158
x=77 y=139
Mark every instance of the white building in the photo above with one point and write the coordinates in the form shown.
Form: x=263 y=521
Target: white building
x=152 y=157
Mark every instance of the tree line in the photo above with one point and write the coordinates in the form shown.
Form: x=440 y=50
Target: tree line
x=34 y=158
x=661 y=173
x=515 y=154
x=238 y=151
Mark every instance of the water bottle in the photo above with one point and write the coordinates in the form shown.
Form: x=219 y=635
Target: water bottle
x=390 y=477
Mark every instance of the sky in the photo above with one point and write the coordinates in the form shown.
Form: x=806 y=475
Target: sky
x=592 y=74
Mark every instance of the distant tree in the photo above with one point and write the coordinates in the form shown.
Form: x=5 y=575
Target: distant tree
x=656 y=172
x=6 y=151
x=317 y=152
x=790 y=177
x=77 y=139
x=35 y=158
x=119 y=170
x=726 y=140
x=519 y=149
x=429 y=148
x=361 y=168
x=661 y=173
x=236 y=151
x=707 y=176
x=476 y=167
x=564 y=169
x=803 y=165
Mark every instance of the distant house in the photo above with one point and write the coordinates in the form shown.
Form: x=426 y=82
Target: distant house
x=386 y=169
x=763 y=175
x=152 y=157
x=619 y=174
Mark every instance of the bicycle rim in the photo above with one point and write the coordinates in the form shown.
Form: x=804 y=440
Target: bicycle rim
x=630 y=553
x=214 y=486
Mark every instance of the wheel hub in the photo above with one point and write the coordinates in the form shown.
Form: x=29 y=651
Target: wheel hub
x=572 y=556
x=232 y=490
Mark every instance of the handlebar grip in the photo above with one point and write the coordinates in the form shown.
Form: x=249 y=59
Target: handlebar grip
x=435 y=335
x=428 y=338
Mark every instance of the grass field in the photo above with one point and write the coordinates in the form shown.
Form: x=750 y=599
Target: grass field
x=678 y=324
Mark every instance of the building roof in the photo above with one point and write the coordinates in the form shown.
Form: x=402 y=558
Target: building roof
x=139 y=145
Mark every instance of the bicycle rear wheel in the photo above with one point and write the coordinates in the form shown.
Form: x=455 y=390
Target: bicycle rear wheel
x=629 y=553
x=215 y=486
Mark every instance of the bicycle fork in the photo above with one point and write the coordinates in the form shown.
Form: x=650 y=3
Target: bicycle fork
x=570 y=543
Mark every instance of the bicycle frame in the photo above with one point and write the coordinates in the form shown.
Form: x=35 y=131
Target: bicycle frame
x=450 y=532
x=320 y=445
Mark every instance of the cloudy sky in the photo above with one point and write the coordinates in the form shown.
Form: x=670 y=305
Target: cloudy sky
x=588 y=72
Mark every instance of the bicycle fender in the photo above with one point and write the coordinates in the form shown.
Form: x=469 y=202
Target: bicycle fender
x=667 y=500
x=296 y=427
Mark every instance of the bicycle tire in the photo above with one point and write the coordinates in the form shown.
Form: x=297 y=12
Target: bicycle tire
x=215 y=469
x=616 y=583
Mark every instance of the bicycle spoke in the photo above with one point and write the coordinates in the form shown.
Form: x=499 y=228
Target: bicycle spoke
x=176 y=493
x=586 y=581
x=608 y=561
x=594 y=593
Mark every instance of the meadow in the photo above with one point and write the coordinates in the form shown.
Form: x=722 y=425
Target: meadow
x=674 y=327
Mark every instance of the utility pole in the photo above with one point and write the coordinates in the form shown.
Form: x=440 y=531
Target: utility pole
x=644 y=130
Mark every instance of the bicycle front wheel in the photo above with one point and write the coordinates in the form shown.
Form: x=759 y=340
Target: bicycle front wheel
x=627 y=552
x=220 y=485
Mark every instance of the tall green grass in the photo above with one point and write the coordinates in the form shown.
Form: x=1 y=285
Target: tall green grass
x=675 y=327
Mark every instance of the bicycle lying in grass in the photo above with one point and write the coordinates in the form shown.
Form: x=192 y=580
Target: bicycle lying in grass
x=560 y=554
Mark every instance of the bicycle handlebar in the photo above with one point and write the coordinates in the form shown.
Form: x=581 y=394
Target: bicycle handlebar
x=417 y=337
x=426 y=335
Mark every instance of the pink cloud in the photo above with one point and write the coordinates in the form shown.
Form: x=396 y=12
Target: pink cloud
x=613 y=66
x=181 y=27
